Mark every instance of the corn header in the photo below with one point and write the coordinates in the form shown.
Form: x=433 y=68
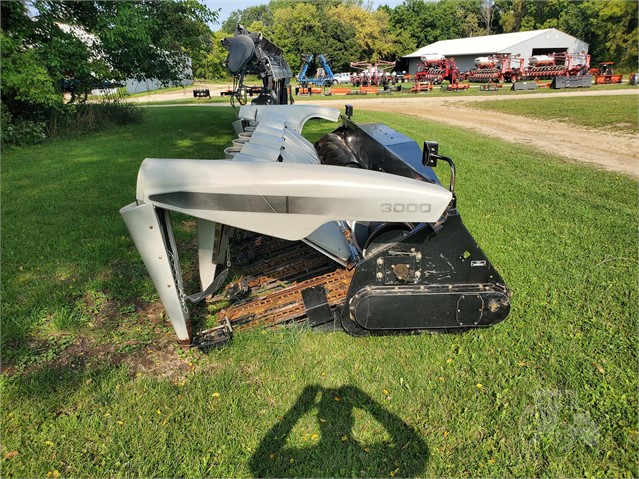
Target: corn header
x=354 y=232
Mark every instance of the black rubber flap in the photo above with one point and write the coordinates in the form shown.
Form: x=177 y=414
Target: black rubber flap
x=217 y=283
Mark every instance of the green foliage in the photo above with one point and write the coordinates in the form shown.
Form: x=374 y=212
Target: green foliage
x=246 y=17
x=89 y=117
x=70 y=120
x=20 y=131
x=136 y=39
x=614 y=32
x=71 y=47
x=24 y=79
x=370 y=30
x=297 y=30
x=210 y=64
x=429 y=22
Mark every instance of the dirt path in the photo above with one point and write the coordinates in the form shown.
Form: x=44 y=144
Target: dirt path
x=609 y=150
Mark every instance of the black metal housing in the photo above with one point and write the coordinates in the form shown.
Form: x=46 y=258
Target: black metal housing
x=426 y=277
x=425 y=280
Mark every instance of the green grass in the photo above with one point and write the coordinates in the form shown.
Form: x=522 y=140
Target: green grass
x=616 y=113
x=98 y=388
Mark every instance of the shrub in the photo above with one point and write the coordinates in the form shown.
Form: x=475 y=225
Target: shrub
x=20 y=131
x=88 y=117
x=66 y=121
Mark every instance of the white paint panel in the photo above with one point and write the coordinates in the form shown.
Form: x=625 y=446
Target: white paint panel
x=329 y=193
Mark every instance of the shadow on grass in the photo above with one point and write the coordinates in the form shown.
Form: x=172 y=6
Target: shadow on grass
x=54 y=387
x=337 y=453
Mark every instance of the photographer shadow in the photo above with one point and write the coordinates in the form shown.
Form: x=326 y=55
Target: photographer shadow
x=335 y=452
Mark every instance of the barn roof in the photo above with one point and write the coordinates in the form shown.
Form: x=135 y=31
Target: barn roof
x=486 y=44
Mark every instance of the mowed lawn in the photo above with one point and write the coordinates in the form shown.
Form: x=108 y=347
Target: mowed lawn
x=614 y=113
x=94 y=385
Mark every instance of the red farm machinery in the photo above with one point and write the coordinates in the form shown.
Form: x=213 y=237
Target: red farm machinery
x=496 y=69
x=436 y=68
x=373 y=74
x=548 y=67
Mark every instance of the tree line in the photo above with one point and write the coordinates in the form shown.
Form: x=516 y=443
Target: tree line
x=350 y=30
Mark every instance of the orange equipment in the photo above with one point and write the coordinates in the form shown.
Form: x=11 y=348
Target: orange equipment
x=604 y=74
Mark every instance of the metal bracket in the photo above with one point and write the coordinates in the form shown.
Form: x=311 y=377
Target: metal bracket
x=316 y=305
x=430 y=156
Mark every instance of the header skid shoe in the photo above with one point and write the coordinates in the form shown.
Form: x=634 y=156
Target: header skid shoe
x=355 y=232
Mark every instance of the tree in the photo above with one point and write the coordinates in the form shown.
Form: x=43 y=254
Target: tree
x=297 y=30
x=486 y=13
x=411 y=19
x=26 y=83
x=88 y=43
x=613 y=31
x=51 y=47
x=339 y=45
x=429 y=22
x=370 y=30
x=211 y=65
x=248 y=16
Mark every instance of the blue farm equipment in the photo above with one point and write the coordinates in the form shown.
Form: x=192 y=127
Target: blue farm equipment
x=324 y=77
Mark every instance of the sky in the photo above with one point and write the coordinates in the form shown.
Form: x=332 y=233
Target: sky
x=228 y=6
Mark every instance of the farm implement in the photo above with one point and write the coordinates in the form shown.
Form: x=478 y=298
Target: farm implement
x=354 y=232
x=547 y=67
x=421 y=86
x=456 y=87
x=435 y=69
x=496 y=69
x=324 y=75
x=252 y=53
x=604 y=75
x=373 y=74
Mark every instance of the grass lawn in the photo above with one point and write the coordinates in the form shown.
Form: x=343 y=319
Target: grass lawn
x=616 y=113
x=94 y=384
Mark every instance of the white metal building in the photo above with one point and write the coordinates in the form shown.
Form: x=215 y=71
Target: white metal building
x=526 y=44
x=135 y=86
